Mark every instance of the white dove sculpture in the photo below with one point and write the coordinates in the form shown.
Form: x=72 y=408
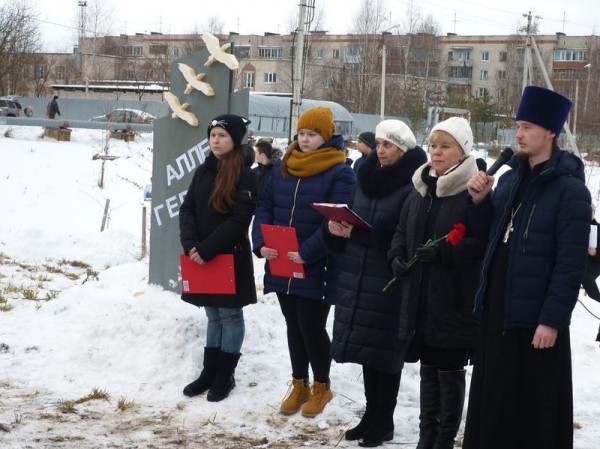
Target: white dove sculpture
x=218 y=53
x=195 y=81
x=180 y=110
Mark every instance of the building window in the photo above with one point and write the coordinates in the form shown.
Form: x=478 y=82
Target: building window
x=485 y=55
x=502 y=56
x=175 y=52
x=269 y=52
x=336 y=54
x=242 y=51
x=501 y=74
x=464 y=55
x=565 y=74
x=395 y=52
x=159 y=49
x=482 y=92
x=133 y=50
x=352 y=55
x=483 y=74
x=130 y=74
x=352 y=51
x=460 y=72
x=40 y=71
x=320 y=54
x=270 y=78
x=450 y=56
x=570 y=55
x=501 y=92
x=247 y=79
x=60 y=72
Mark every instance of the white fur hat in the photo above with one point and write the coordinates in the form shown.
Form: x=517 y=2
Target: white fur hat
x=458 y=128
x=396 y=132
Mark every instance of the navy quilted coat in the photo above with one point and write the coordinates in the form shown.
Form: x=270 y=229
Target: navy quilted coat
x=549 y=245
x=286 y=202
x=366 y=325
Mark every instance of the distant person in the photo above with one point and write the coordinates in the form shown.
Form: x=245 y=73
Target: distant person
x=265 y=156
x=313 y=170
x=365 y=145
x=592 y=270
x=52 y=110
x=537 y=225
x=213 y=220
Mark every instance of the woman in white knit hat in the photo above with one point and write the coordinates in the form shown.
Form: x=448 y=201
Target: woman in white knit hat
x=439 y=289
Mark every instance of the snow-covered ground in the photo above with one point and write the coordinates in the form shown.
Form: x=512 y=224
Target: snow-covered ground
x=91 y=356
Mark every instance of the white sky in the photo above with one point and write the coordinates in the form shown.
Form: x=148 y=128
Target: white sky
x=143 y=344
x=473 y=17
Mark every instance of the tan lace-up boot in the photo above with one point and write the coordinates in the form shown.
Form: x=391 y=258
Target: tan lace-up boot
x=298 y=394
x=319 y=397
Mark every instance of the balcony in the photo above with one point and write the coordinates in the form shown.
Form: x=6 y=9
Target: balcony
x=459 y=63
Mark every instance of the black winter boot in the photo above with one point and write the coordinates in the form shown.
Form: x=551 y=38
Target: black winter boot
x=207 y=376
x=371 y=383
x=224 y=381
x=452 y=401
x=382 y=426
x=429 y=417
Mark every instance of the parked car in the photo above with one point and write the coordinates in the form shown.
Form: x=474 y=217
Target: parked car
x=10 y=108
x=125 y=116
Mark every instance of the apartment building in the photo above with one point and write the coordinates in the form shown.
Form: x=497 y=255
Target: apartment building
x=475 y=65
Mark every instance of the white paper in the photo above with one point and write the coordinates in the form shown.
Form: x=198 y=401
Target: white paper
x=593 y=236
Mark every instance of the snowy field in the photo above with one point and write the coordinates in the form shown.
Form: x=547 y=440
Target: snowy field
x=91 y=356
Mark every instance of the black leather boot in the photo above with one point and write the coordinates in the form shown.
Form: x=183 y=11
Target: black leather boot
x=207 y=376
x=429 y=416
x=371 y=383
x=382 y=426
x=452 y=401
x=224 y=380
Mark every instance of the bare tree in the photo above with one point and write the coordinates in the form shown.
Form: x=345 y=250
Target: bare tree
x=214 y=25
x=99 y=18
x=361 y=61
x=19 y=37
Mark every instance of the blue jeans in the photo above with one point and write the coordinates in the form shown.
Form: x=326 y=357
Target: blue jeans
x=225 y=329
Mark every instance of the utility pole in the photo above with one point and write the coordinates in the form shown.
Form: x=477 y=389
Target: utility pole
x=383 y=62
x=297 y=79
x=528 y=76
x=82 y=5
x=527 y=63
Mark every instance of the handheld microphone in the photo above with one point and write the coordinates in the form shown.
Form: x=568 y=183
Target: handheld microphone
x=504 y=157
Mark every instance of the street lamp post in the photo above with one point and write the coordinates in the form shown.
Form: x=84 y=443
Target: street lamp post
x=383 y=64
x=382 y=102
x=587 y=87
x=575 y=108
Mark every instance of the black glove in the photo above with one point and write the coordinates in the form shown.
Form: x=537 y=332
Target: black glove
x=427 y=254
x=399 y=268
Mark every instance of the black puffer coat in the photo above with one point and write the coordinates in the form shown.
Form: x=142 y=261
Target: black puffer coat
x=263 y=171
x=213 y=233
x=449 y=282
x=365 y=329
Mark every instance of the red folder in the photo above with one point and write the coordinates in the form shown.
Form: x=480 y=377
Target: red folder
x=216 y=276
x=339 y=213
x=284 y=240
